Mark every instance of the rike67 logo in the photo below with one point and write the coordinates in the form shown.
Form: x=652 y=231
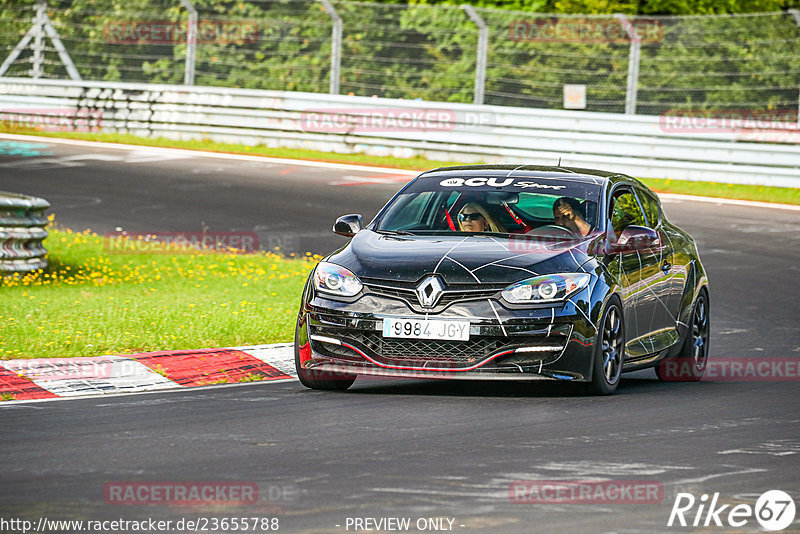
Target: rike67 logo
x=774 y=510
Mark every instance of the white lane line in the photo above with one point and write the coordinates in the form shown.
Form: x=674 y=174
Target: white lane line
x=183 y=152
x=60 y=161
x=700 y=480
x=591 y=468
x=781 y=447
x=730 y=201
x=372 y=180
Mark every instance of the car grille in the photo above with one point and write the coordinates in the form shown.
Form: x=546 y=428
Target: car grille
x=432 y=352
x=450 y=295
x=419 y=351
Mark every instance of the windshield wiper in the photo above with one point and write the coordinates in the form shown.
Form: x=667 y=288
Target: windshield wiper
x=393 y=232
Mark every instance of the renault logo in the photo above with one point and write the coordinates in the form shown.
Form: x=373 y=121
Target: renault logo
x=429 y=291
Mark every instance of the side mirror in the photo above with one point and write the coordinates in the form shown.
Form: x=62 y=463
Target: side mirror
x=634 y=238
x=348 y=225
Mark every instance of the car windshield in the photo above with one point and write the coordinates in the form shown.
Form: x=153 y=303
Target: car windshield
x=551 y=206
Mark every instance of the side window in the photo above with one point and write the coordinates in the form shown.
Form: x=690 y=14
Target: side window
x=625 y=211
x=650 y=205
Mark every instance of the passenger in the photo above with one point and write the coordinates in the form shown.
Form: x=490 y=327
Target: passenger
x=567 y=213
x=474 y=218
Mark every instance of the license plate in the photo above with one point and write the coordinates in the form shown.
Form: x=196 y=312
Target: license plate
x=426 y=329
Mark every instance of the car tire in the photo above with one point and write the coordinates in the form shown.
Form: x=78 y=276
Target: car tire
x=689 y=365
x=324 y=380
x=609 y=351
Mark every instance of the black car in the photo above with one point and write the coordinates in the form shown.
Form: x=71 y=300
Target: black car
x=508 y=273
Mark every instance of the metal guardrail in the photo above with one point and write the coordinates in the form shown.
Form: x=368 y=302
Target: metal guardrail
x=22 y=233
x=640 y=145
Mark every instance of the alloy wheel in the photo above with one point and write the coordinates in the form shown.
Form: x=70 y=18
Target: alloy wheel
x=611 y=345
x=700 y=334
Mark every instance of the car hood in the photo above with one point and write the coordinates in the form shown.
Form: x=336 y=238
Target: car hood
x=459 y=259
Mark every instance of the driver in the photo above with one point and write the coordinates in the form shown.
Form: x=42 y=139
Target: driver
x=567 y=213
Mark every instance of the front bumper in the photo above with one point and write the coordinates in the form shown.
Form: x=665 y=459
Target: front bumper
x=505 y=343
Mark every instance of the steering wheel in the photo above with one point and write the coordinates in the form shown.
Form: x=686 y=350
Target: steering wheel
x=552 y=230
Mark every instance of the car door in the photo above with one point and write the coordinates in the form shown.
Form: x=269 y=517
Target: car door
x=639 y=276
x=664 y=285
x=675 y=260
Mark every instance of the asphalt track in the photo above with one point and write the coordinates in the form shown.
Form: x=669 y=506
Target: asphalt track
x=403 y=448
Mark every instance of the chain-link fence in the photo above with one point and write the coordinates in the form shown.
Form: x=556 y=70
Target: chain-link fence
x=443 y=53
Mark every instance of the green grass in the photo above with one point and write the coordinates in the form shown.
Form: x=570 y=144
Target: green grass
x=783 y=195
x=761 y=193
x=89 y=302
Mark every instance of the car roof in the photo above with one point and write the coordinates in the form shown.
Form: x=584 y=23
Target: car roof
x=529 y=171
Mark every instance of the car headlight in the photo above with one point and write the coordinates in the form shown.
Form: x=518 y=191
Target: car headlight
x=546 y=288
x=332 y=278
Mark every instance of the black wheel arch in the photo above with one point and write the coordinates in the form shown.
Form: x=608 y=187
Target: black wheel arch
x=602 y=294
x=696 y=281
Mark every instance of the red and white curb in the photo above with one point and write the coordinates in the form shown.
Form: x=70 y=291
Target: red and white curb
x=50 y=378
